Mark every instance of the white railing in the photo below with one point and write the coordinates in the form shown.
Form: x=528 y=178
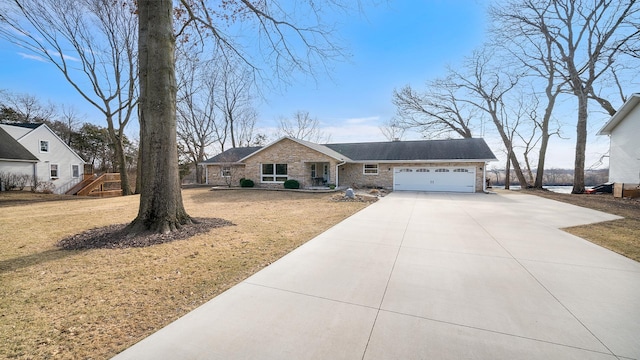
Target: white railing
x=66 y=186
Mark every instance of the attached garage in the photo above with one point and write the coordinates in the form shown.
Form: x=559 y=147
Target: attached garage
x=435 y=178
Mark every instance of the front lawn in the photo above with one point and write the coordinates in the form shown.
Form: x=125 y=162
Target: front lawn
x=92 y=304
x=621 y=236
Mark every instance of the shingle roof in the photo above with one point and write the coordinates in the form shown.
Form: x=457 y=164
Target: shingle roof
x=456 y=149
x=420 y=150
x=11 y=149
x=26 y=125
x=232 y=155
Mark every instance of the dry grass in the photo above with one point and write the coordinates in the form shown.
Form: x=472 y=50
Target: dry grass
x=621 y=236
x=93 y=304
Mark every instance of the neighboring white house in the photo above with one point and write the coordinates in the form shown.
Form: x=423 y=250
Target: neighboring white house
x=56 y=162
x=624 y=135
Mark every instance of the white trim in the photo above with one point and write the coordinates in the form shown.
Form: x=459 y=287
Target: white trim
x=426 y=161
x=364 y=169
x=40 y=142
x=57 y=171
x=75 y=177
x=275 y=175
x=313 y=146
x=624 y=110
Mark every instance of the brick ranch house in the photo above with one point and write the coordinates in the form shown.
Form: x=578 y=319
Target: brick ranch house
x=428 y=165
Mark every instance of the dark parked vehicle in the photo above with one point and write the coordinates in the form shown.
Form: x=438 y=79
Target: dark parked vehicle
x=600 y=189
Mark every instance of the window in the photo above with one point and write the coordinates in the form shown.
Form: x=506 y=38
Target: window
x=226 y=171
x=274 y=173
x=422 y=170
x=442 y=170
x=370 y=169
x=313 y=170
x=461 y=170
x=75 y=171
x=53 y=170
x=405 y=170
x=44 y=146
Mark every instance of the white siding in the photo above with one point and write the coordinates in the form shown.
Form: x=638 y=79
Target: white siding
x=59 y=153
x=16 y=167
x=624 y=161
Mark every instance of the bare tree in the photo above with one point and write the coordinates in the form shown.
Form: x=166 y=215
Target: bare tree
x=71 y=119
x=93 y=44
x=28 y=108
x=302 y=126
x=487 y=88
x=536 y=58
x=161 y=208
x=435 y=113
x=392 y=130
x=196 y=111
x=585 y=38
x=235 y=100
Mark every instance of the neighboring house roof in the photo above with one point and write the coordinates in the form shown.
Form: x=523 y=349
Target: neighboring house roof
x=394 y=151
x=11 y=149
x=27 y=125
x=232 y=155
x=621 y=114
x=424 y=150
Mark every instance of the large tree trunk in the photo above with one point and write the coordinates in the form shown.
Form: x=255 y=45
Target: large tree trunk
x=161 y=207
x=511 y=154
x=118 y=147
x=544 y=143
x=581 y=143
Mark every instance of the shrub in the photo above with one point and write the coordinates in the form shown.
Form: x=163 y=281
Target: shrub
x=331 y=186
x=292 y=184
x=11 y=181
x=246 y=183
x=241 y=180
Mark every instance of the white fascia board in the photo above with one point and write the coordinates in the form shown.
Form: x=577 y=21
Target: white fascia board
x=421 y=161
x=624 y=110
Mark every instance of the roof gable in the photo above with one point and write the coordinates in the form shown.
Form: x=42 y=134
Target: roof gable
x=317 y=147
x=621 y=114
x=11 y=149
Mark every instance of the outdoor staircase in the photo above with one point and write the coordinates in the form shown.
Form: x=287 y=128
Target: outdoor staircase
x=101 y=186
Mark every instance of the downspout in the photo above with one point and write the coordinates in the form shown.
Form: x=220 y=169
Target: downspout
x=338 y=172
x=206 y=174
x=484 y=178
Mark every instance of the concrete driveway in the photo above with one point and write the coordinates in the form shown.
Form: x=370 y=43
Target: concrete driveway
x=427 y=276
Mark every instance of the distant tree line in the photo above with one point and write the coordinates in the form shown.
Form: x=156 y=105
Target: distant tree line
x=552 y=177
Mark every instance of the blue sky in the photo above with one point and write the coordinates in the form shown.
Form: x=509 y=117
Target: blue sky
x=392 y=44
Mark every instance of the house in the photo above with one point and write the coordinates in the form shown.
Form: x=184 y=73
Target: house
x=429 y=165
x=14 y=160
x=624 y=150
x=35 y=150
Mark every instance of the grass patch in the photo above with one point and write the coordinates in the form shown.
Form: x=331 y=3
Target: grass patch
x=95 y=303
x=621 y=236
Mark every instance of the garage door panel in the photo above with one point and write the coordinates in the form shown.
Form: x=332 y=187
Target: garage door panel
x=454 y=179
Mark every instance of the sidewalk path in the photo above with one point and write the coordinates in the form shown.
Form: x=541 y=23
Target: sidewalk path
x=426 y=276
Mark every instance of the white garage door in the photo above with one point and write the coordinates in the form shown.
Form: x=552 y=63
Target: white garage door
x=454 y=179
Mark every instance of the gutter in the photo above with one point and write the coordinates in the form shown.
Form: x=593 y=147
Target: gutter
x=338 y=172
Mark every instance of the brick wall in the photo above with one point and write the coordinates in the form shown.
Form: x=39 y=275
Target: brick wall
x=298 y=159
x=215 y=178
